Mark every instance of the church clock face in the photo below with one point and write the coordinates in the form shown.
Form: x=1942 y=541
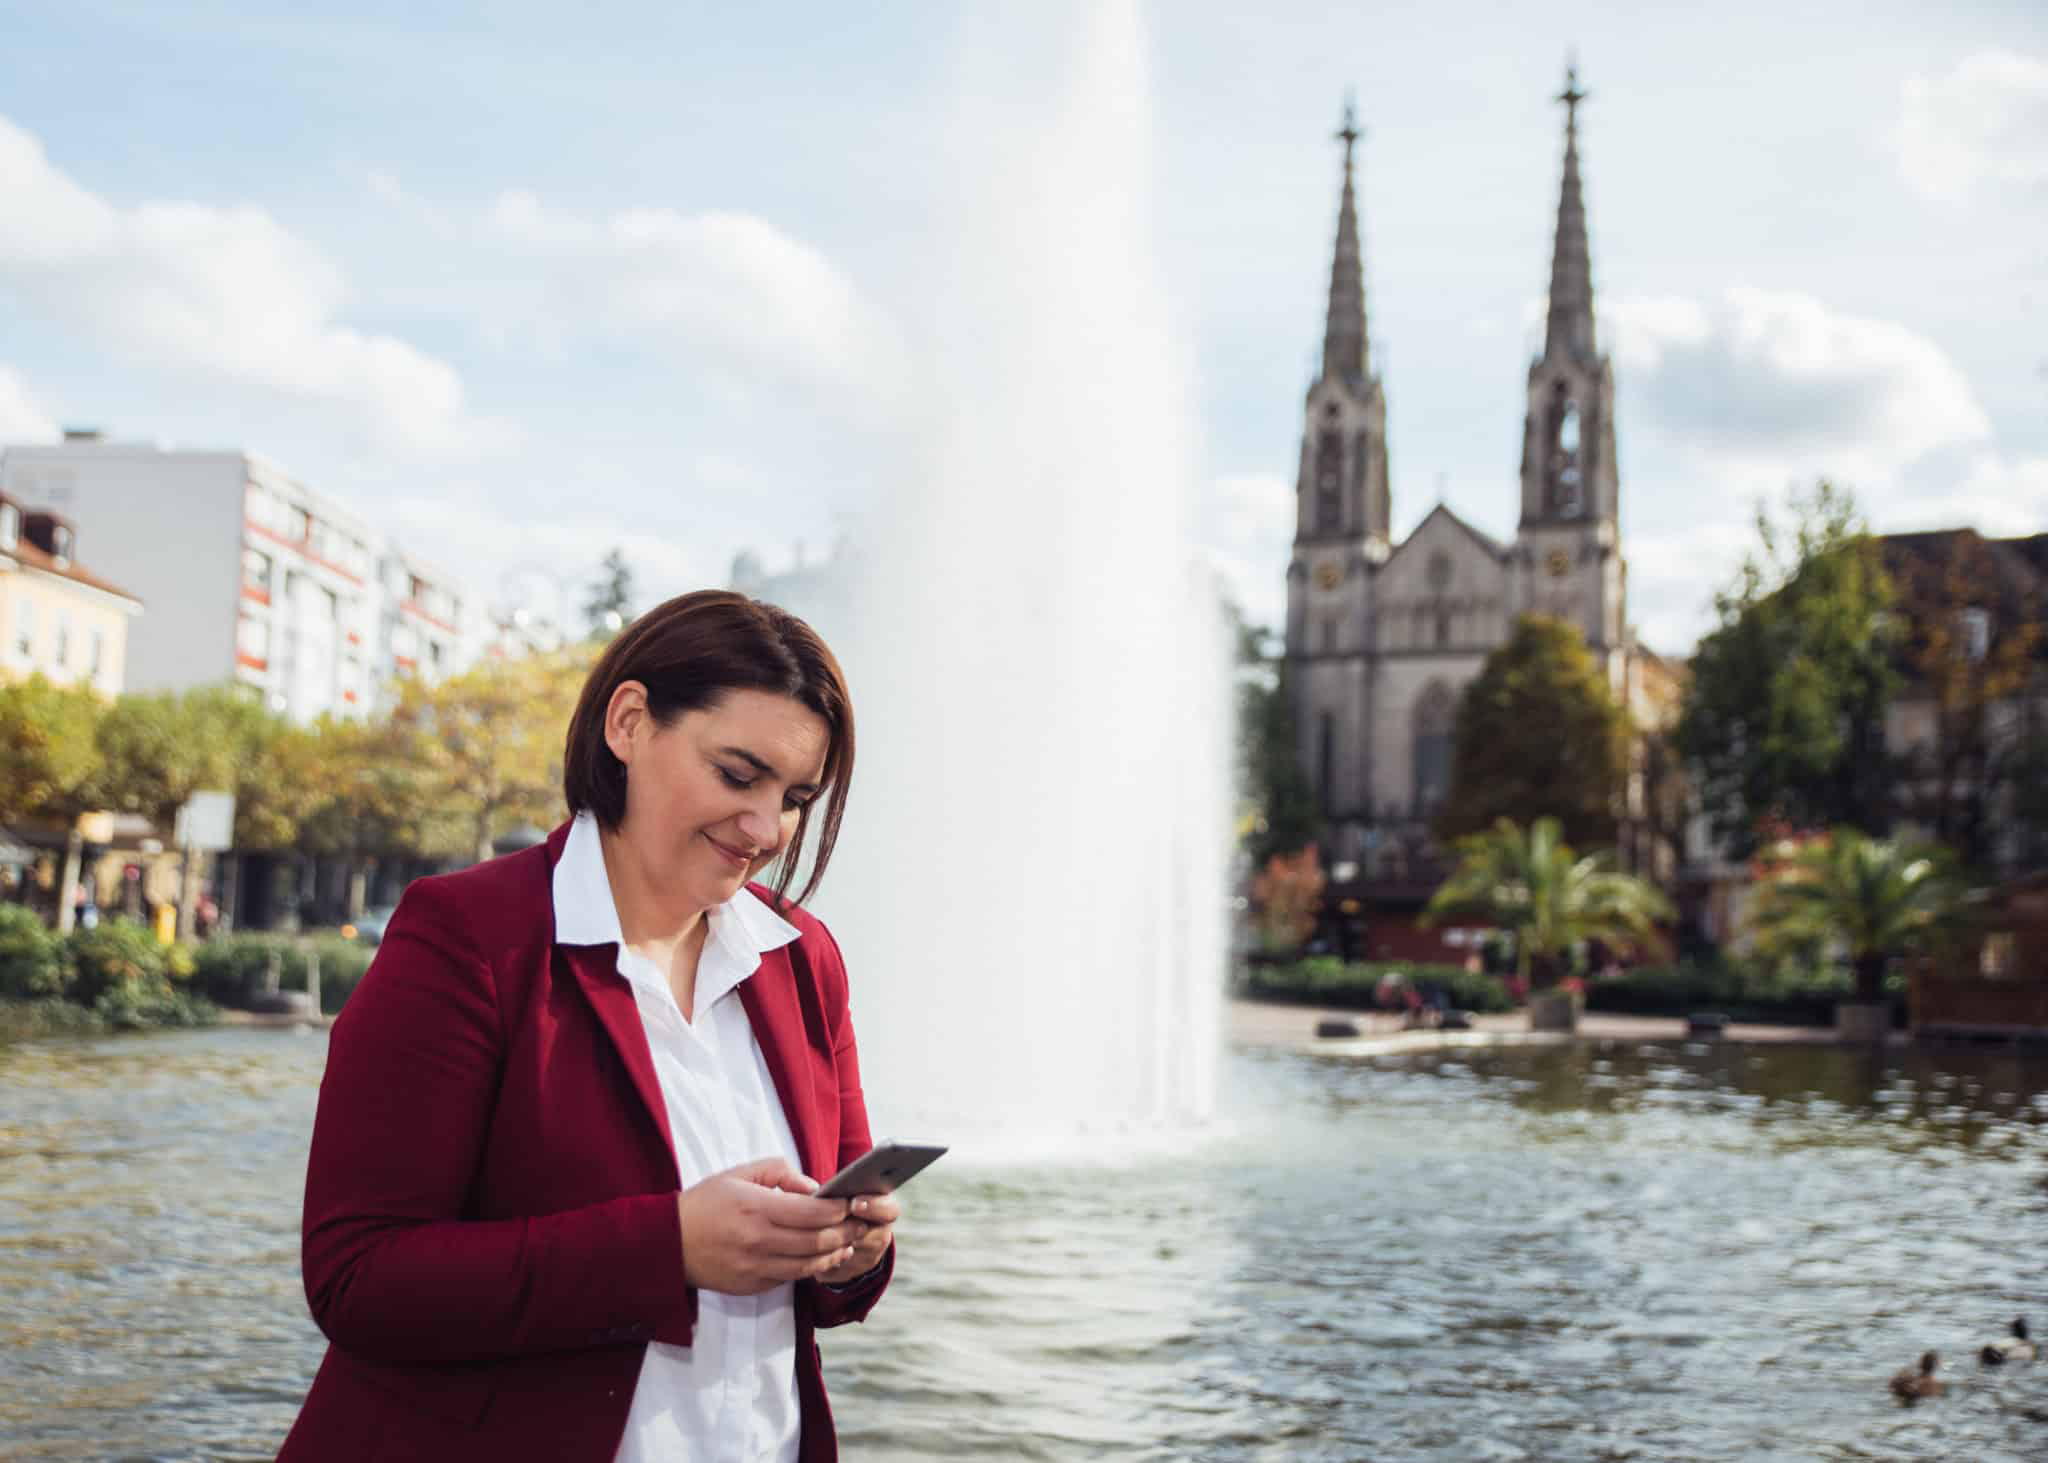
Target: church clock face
x=1559 y=563
x=1328 y=576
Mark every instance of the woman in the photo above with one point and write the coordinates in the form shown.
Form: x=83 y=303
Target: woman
x=557 y=1204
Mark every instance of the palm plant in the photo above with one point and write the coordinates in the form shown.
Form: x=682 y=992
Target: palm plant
x=1530 y=883
x=1872 y=898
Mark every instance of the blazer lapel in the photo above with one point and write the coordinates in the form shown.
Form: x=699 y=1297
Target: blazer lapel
x=611 y=996
x=769 y=995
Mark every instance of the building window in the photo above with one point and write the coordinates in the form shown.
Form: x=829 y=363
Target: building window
x=95 y=652
x=1326 y=758
x=1976 y=633
x=1443 y=628
x=1329 y=484
x=60 y=544
x=1329 y=634
x=1434 y=715
x=25 y=629
x=10 y=525
x=63 y=657
x=299 y=525
x=256 y=571
x=252 y=640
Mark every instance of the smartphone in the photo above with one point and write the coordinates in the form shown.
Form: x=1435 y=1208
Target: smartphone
x=883 y=1169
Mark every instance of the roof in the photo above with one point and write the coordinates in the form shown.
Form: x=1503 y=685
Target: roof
x=30 y=557
x=1485 y=541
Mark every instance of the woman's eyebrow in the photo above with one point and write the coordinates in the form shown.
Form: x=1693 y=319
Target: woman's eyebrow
x=762 y=767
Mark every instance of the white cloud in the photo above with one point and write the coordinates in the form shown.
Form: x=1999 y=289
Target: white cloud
x=545 y=559
x=1981 y=124
x=1776 y=384
x=226 y=291
x=729 y=288
x=21 y=419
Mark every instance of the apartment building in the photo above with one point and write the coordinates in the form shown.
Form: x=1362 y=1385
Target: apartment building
x=58 y=618
x=250 y=575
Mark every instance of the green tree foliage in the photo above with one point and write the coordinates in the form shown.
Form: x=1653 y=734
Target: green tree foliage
x=1872 y=898
x=488 y=743
x=1529 y=882
x=1277 y=811
x=610 y=603
x=1969 y=768
x=49 y=755
x=1784 y=713
x=1538 y=735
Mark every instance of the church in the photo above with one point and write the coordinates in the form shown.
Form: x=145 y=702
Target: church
x=1381 y=636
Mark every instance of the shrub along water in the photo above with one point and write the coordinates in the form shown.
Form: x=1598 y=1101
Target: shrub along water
x=114 y=976
x=1352 y=985
x=232 y=968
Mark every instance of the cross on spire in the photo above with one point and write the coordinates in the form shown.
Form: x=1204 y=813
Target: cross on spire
x=1346 y=352
x=1570 y=327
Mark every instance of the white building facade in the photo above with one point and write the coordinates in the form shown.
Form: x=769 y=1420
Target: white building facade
x=250 y=576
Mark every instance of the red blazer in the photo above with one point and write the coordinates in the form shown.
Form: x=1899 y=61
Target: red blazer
x=490 y=1235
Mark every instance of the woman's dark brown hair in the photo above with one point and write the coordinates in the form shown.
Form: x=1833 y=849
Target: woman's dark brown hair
x=689 y=653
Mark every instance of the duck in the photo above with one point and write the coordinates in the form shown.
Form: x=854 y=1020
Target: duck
x=1912 y=1383
x=2016 y=1347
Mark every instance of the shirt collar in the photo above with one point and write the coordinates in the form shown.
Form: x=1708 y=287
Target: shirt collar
x=743 y=929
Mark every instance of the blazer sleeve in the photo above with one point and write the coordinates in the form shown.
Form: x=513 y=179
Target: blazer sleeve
x=836 y=1305
x=393 y=1271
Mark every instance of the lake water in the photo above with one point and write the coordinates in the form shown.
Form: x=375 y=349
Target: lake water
x=1598 y=1253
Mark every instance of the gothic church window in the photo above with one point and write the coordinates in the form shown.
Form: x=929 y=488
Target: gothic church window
x=1443 y=628
x=1435 y=713
x=1329 y=494
x=1564 y=476
x=1326 y=757
x=1329 y=634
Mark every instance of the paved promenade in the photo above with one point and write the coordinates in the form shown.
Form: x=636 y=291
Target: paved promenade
x=1266 y=1023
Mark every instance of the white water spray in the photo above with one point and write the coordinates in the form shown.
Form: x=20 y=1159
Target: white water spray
x=1030 y=887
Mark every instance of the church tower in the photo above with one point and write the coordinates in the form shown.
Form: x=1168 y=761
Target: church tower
x=1341 y=530
x=1568 y=549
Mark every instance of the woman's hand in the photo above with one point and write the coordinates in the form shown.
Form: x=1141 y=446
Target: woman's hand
x=755 y=1227
x=874 y=1217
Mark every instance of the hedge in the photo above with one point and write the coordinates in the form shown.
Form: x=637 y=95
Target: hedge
x=231 y=968
x=1326 y=981
x=113 y=976
x=1742 y=990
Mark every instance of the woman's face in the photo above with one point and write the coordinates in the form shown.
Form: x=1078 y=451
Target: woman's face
x=713 y=797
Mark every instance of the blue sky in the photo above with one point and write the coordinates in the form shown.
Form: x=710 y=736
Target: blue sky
x=531 y=285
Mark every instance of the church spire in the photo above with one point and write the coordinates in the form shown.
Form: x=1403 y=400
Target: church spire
x=1346 y=352
x=1570 y=330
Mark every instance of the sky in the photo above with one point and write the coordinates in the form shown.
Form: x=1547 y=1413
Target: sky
x=524 y=282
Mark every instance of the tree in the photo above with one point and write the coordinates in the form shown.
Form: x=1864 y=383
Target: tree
x=1874 y=898
x=489 y=741
x=1784 y=713
x=1529 y=882
x=1278 y=812
x=50 y=766
x=1968 y=647
x=610 y=604
x=1537 y=735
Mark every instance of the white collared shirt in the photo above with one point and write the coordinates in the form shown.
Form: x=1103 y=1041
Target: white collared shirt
x=731 y=1394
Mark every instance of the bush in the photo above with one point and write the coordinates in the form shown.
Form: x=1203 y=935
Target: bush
x=29 y=965
x=120 y=954
x=231 y=968
x=1327 y=981
x=1783 y=993
x=49 y=1016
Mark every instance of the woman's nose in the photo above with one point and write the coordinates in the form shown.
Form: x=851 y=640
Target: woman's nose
x=760 y=830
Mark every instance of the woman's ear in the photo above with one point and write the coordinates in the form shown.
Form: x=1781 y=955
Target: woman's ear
x=624 y=716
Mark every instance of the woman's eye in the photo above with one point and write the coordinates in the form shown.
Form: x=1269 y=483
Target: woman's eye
x=733 y=780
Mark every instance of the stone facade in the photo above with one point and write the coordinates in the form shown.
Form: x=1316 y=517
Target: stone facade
x=1381 y=637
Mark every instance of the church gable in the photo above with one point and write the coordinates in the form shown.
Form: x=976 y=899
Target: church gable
x=1443 y=589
